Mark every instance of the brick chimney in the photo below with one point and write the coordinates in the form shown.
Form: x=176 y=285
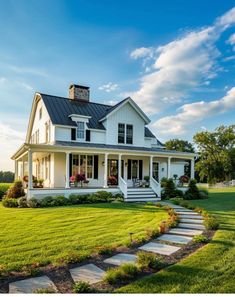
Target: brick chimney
x=77 y=92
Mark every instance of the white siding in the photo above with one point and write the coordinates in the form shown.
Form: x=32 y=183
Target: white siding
x=39 y=124
x=127 y=115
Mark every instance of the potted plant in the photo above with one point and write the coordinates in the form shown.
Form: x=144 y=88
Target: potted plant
x=80 y=178
x=112 y=180
x=72 y=180
x=40 y=182
x=146 y=178
x=35 y=182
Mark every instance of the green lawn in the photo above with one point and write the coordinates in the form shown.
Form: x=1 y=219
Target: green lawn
x=40 y=235
x=209 y=270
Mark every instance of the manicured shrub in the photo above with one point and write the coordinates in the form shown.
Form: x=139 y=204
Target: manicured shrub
x=3 y=189
x=83 y=287
x=122 y=273
x=33 y=203
x=60 y=201
x=192 y=191
x=10 y=202
x=211 y=223
x=16 y=190
x=74 y=199
x=170 y=190
x=146 y=260
x=47 y=201
x=178 y=193
x=22 y=202
x=163 y=182
x=200 y=238
x=101 y=196
x=203 y=193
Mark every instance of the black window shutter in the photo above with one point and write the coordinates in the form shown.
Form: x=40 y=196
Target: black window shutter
x=70 y=164
x=96 y=166
x=129 y=169
x=140 y=169
x=88 y=135
x=73 y=134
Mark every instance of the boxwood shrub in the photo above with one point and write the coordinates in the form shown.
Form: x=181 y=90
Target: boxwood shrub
x=3 y=189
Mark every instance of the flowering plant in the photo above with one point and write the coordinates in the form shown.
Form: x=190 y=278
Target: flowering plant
x=184 y=179
x=72 y=179
x=112 y=180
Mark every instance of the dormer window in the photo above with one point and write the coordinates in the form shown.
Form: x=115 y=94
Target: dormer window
x=81 y=130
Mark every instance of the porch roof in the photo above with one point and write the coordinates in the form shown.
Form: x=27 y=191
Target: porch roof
x=124 y=149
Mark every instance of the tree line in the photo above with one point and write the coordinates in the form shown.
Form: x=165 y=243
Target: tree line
x=6 y=177
x=216 y=153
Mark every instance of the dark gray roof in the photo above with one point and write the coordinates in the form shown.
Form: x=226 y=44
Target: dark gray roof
x=59 y=109
x=116 y=147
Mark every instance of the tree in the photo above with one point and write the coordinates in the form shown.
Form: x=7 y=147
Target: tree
x=6 y=177
x=179 y=145
x=217 y=154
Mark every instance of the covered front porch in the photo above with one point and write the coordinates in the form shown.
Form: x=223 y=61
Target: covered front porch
x=50 y=171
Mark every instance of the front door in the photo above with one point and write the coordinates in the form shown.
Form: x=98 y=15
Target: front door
x=112 y=172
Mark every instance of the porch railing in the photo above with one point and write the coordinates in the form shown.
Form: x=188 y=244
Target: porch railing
x=156 y=187
x=123 y=186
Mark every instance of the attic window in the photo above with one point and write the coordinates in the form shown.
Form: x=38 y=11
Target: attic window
x=81 y=130
x=40 y=113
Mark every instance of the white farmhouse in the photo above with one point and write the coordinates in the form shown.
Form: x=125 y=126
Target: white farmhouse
x=110 y=146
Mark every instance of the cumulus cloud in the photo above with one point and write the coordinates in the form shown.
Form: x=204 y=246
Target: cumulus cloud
x=180 y=66
x=109 y=87
x=194 y=112
x=10 y=140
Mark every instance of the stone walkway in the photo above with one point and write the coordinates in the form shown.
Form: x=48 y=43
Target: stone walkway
x=191 y=223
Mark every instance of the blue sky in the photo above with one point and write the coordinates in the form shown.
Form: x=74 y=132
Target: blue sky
x=176 y=59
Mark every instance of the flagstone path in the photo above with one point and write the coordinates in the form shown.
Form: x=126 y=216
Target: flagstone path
x=191 y=223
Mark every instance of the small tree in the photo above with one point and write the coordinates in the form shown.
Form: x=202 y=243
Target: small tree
x=16 y=190
x=193 y=191
x=169 y=189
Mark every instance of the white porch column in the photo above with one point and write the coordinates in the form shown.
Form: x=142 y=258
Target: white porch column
x=151 y=166
x=106 y=170
x=30 y=169
x=119 y=166
x=16 y=169
x=67 y=186
x=192 y=169
x=169 y=167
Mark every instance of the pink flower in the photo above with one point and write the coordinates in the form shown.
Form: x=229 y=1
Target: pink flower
x=72 y=179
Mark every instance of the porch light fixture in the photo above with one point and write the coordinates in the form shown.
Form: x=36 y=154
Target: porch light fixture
x=103 y=163
x=163 y=169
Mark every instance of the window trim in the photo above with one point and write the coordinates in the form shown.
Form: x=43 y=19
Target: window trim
x=79 y=130
x=125 y=135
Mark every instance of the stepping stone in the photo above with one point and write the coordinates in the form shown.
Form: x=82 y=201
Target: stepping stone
x=120 y=259
x=189 y=232
x=191 y=226
x=183 y=212
x=30 y=285
x=191 y=221
x=175 y=238
x=189 y=216
x=159 y=248
x=89 y=273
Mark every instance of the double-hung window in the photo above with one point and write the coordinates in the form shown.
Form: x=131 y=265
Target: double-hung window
x=129 y=134
x=125 y=133
x=121 y=133
x=81 y=130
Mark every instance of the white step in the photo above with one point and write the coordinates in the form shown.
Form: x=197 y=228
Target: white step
x=143 y=200
x=141 y=195
x=138 y=189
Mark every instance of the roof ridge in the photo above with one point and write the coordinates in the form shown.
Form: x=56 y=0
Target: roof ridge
x=66 y=98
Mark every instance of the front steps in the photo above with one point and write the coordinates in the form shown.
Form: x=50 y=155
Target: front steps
x=141 y=195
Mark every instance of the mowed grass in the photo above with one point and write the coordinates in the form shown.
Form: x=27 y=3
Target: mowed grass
x=210 y=269
x=29 y=236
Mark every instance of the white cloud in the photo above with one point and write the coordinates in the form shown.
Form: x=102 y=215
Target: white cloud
x=25 y=86
x=11 y=139
x=231 y=41
x=2 y=80
x=180 y=66
x=194 y=112
x=142 y=52
x=27 y=70
x=109 y=87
